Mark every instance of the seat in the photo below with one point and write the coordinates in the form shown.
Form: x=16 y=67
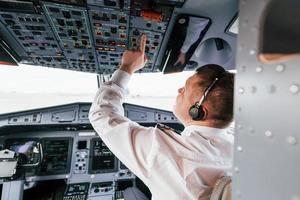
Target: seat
x=222 y=189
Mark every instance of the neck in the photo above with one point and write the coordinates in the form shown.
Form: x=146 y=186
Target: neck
x=207 y=123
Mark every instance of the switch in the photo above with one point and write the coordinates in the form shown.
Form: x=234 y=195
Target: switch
x=110 y=3
x=78 y=24
x=66 y=14
x=123 y=20
x=136 y=32
x=113 y=16
x=84 y=42
x=61 y=22
x=113 y=30
x=69 y=23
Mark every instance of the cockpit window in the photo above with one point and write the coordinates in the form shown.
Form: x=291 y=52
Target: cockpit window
x=156 y=89
x=30 y=87
x=233 y=28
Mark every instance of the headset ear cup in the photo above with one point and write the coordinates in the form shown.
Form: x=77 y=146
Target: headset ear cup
x=196 y=112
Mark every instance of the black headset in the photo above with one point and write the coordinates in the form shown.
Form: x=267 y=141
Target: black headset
x=196 y=111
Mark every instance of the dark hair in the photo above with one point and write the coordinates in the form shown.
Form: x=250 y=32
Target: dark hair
x=219 y=101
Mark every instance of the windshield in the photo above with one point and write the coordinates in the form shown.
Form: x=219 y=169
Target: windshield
x=30 y=87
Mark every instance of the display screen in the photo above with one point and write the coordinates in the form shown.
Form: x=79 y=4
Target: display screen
x=77 y=189
x=103 y=160
x=27 y=149
x=57 y=155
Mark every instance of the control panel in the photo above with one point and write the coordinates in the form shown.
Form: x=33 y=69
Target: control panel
x=71 y=26
x=148 y=18
x=103 y=160
x=56 y=156
x=88 y=36
x=102 y=190
x=110 y=31
x=60 y=144
x=77 y=114
x=81 y=160
x=35 y=36
x=77 y=191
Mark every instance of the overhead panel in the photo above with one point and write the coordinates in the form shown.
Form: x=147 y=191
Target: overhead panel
x=34 y=34
x=88 y=36
x=110 y=31
x=145 y=19
x=71 y=26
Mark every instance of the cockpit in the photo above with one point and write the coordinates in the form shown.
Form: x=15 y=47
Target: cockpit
x=52 y=152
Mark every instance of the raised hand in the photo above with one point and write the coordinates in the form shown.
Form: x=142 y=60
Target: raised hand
x=134 y=60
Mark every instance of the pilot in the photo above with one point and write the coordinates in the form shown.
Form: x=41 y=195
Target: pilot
x=195 y=27
x=173 y=166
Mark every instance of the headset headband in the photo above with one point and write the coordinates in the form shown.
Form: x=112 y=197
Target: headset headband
x=209 y=88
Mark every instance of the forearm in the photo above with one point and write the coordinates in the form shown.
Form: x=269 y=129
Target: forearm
x=108 y=101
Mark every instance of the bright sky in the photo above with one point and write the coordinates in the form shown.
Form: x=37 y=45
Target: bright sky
x=28 y=87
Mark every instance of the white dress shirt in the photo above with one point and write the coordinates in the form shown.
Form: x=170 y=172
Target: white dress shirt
x=195 y=27
x=174 y=167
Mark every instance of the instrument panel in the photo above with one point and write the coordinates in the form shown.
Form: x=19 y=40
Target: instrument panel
x=90 y=169
x=103 y=160
x=87 y=36
x=56 y=155
x=59 y=143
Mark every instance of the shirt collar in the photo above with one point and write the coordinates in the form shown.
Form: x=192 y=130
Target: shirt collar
x=203 y=130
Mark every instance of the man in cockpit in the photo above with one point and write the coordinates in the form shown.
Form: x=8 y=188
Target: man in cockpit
x=173 y=166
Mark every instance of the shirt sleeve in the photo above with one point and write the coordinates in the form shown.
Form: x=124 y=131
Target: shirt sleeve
x=129 y=141
x=195 y=27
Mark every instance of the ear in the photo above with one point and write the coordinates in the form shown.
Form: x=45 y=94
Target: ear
x=205 y=112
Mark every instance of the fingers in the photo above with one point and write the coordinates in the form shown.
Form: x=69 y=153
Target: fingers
x=145 y=59
x=143 y=43
x=177 y=62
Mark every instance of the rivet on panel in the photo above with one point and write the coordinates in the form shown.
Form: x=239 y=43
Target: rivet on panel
x=241 y=90
x=239 y=126
x=291 y=140
x=242 y=68
x=259 y=69
x=253 y=89
x=239 y=148
x=239 y=109
x=271 y=89
x=294 y=88
x=238 y=194
x=252 y=52
x=236 y=170
x=280 y=68
x=251 y=130
x=268 y=134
